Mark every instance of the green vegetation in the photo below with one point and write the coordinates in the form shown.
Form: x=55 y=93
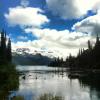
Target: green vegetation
x=50 y=97
x=88 y=59
x=8 y=75
x=42 y=97
x=17 y=98
x=8 y=80
x=5 y=49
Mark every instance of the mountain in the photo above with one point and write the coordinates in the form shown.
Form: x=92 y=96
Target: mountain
x=23 y=56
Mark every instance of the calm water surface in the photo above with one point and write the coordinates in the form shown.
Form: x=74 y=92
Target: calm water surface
x=38 y=80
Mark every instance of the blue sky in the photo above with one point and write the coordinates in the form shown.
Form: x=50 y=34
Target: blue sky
x=56 y=25
x=55 y=21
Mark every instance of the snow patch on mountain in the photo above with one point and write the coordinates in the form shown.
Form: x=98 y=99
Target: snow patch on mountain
x=25 y=51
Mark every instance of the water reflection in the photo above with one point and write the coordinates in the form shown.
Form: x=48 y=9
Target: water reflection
x=93 y=82
x=35 y=82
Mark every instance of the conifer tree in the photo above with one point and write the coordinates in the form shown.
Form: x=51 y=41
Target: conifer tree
x=89 y=45
x=5 y=50
x=0 y=48
x=9 y=54
x=3 y=47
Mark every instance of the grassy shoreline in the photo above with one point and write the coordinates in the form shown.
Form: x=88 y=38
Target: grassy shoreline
x=9 y=79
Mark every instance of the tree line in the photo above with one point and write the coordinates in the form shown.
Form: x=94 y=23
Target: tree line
x=85 y=59
x=5 y=49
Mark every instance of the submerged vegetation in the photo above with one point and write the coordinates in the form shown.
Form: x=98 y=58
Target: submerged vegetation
x=18 y=98
x=50 y=97
x=41 y=97
x=88 y=59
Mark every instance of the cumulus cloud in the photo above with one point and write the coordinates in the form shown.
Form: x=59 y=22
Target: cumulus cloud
x=90 y=25
x=64 y=42
x=49 y=47
x=64 y=38
x=70 y=9
x=61 y=42
x=27 y=16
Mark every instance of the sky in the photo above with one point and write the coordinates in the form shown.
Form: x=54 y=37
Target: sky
x=58 y=26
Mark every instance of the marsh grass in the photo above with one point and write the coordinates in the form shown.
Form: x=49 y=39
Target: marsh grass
x=8 y=80
x=50 y=97
x=18 y=98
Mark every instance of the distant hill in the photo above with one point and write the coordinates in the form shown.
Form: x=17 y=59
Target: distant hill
x=24 y=57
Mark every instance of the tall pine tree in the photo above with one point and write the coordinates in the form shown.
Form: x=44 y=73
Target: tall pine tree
x=9 y=54
x=3 y=48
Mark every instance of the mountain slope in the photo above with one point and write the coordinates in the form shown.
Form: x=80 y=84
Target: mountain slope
x=24 y=57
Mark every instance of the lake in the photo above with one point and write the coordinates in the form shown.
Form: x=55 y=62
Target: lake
x=35 y=81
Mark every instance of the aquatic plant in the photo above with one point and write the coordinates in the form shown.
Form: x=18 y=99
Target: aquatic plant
x=50 y=97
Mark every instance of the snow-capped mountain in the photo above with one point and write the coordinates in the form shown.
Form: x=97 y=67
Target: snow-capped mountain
x=25 y=56
x=24 y=51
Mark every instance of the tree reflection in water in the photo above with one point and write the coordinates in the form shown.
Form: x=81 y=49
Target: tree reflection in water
x=38 y=85
x=93 y=82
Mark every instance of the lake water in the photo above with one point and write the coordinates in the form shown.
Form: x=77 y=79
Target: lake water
x=35 y=81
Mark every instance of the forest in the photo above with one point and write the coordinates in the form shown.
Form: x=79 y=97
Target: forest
x=5 y=49
x=8 y=74
x=85 y=59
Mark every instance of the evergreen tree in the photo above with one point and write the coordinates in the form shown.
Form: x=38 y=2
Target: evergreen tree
x=9 y=54
x=97 y=44
x=0 y=49
x=3 y=48
x=89 y=45
x=85 y=59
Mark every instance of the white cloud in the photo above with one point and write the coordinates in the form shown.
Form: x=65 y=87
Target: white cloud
x=62 y=43
x=49 y=47
x=68 y=9
x=90 y=25
x=63 y=38
x=27 y=16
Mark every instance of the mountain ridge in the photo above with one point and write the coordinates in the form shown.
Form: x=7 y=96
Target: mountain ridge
x=23 y=56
